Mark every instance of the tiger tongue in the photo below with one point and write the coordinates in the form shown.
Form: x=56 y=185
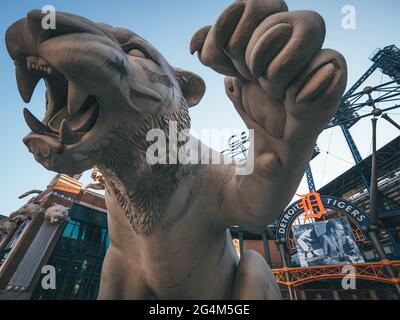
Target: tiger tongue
x=55 y=122
x=79 y=122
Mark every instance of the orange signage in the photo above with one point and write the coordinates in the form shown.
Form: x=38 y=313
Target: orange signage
x=312 y=205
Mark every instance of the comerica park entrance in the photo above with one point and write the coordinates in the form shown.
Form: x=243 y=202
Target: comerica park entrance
x=324 y=242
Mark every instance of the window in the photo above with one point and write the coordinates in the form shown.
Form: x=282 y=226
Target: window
x=71 y=229
x=295 y=260
x=370 y=255
x=389 y=249
x=78 y=259
x=17 y=235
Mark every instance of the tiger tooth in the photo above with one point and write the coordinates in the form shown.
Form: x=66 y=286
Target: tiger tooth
x=76 y=98
x=50 y=70
x=26 y=82
x=67 y=136
x=34 y=124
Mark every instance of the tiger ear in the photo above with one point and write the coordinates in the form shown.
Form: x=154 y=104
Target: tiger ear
x=192 y=86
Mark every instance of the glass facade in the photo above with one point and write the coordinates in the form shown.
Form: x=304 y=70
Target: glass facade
x=11 y=244
x=78 y=257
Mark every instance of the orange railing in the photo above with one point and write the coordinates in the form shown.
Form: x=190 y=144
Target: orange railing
x=374 y=271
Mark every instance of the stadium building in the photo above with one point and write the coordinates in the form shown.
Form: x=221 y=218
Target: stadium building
x=75 y=245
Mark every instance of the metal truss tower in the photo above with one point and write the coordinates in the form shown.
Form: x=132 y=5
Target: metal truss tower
x=309 y=175
x=388 y=61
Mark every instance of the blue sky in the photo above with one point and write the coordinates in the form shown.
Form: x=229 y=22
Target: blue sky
x=169 y=25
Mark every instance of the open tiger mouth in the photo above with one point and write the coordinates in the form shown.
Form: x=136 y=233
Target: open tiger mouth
x=70 y=112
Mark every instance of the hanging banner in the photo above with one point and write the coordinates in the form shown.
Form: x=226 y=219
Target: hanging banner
x=354 y=213
x=328 y=242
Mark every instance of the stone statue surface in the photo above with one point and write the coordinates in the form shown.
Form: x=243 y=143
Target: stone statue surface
x=56 y=213
x=107 y=87
x=28 y=211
